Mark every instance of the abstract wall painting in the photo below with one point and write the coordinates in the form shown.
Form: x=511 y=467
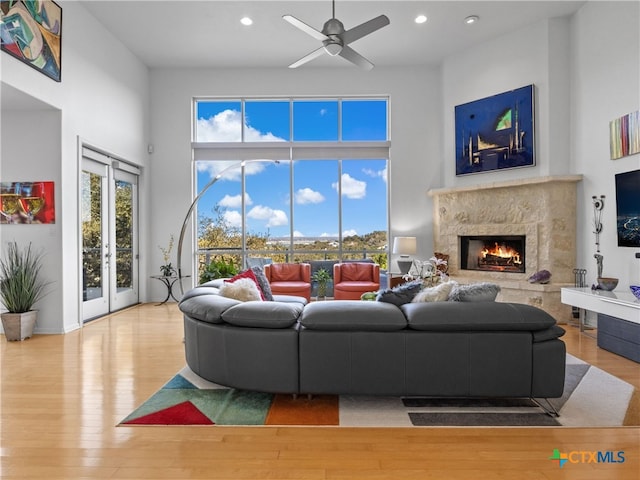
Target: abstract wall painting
x=624 y=135
x=496 y=132
x=31 y=31
x=27 y=202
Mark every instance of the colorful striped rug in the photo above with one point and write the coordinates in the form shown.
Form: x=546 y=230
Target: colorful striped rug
x=592 y=398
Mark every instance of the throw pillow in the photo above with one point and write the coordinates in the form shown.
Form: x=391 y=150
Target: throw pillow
x=401 y=294
x=476 y=292
x=243 y=289
x=263 y=283
x=247 y=274
x=439 y=293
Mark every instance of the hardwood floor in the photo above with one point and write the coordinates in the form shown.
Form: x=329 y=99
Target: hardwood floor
x=62 y=396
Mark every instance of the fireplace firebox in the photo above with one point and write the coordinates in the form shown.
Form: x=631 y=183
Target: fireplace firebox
x=493 y=253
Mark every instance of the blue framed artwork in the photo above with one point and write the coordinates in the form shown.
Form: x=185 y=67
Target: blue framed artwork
x=496 y=132
x=31 y=31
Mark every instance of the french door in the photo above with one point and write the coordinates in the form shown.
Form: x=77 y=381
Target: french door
x=109 y=231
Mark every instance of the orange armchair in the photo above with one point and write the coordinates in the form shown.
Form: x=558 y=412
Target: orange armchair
x=289 y=279
x=351 y=280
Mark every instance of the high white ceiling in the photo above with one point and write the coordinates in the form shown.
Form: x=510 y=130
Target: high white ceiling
x=184 y=33
x=187 y=33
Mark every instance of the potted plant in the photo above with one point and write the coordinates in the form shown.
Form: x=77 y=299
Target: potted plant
x=167 y=269
x=321 y=277
x=21 y=286
x=218 y=269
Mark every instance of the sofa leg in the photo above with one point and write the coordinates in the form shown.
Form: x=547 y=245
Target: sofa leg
x=549 y=409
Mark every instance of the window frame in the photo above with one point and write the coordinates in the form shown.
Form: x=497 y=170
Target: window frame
x=290 y=150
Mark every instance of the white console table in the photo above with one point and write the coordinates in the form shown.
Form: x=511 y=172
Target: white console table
x=618 y=317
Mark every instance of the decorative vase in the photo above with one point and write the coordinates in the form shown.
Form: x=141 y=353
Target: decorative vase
x=19 y=326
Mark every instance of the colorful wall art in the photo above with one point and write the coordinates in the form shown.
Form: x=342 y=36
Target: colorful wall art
x=624 y=135
x=496 y=132
x=31 y=31
x=27 y=202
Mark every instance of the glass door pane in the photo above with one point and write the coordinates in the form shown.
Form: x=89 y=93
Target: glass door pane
x=124 y=232
x=93 y=215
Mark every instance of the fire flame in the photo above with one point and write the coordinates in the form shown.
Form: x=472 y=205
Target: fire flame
x=502 y=251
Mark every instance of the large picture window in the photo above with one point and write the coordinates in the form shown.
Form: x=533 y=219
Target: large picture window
x=300 y=179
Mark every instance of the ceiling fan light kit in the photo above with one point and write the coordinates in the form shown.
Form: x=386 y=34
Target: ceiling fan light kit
x=335 y=39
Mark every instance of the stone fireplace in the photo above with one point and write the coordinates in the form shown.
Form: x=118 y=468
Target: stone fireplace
x=540 y=211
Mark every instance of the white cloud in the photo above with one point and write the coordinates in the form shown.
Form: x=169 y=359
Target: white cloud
x=233 y=218
x=274 y=218
x=307 y=195
x=377 y=173
x=297 y=233
x=226 y=127
x=222 y=127
x=346 y=233
x=235 y=201
x=352 y=188
x=234 y=173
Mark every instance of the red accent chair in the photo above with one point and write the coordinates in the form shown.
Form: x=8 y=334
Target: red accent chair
x=352 y=279
x=289 y=279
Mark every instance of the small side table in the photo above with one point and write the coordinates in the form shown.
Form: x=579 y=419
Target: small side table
x=169 y=281
x=395 y=279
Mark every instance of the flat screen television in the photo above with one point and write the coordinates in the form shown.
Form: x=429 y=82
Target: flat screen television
x=628 y=208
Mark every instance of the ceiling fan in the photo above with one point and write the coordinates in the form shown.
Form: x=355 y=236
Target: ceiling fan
x=335 y=39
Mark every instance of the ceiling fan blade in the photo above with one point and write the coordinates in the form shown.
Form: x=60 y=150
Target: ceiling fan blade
x=308 y=57
x=354 y=57
x=365 y=28
x=309 y=30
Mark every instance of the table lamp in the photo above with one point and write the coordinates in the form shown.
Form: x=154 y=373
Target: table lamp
x=405 y=246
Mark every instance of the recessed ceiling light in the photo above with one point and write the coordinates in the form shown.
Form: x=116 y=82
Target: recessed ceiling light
x=246 y=21
x=421 y=19
x=471 y=19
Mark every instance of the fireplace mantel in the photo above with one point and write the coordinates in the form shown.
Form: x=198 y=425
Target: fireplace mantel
x=543 y=209
x=507 y=184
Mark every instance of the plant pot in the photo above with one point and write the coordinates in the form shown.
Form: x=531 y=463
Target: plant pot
x=19 y=326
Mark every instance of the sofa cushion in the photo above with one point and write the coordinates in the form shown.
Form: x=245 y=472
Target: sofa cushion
x=401 y=294
x=482 y=316
x=205 y=306
x=353 y=315
x=475 y=292
x=263 y=314
x=243 y=289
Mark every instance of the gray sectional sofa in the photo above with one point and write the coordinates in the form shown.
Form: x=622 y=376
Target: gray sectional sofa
x=443 y=349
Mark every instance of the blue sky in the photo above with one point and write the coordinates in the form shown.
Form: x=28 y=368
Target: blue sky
x=315 y=188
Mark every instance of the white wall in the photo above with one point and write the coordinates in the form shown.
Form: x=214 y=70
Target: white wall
x=416 y=130
x=102 y=99
x=36 y=160
x=605 y=85
x=537 y=55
